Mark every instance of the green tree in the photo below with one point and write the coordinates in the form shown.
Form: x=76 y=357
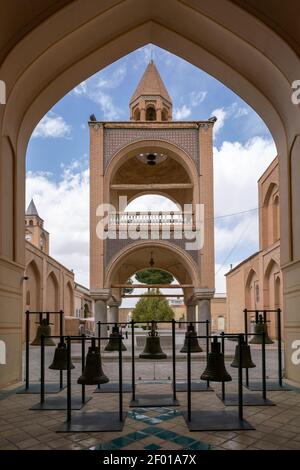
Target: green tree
x=154 y=276
x=152 y=308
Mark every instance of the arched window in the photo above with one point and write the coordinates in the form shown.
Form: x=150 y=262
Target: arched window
x=43 y=242
x=150 y=114
x=30 y=222
x=276 y=219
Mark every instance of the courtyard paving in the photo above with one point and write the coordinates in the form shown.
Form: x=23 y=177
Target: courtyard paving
x=276 y=427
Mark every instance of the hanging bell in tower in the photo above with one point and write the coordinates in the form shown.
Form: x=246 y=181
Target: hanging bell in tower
x=152 y=348
x=93 y=373
x=60 y=359
x=44 y=329
x=113 y=343
x=194 y=345
x=259 y=328
x=247 y=362
x=215 y=369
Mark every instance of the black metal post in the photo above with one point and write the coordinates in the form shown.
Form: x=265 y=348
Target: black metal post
x=207 y=344
x=263 y=351
x=189 y=387
x=265 y=316
x=61 y=332
x=27 y=350
x=42 y=368
x=246 y=339
x=174 y=358
x=256 y=316
x=240 y=379
x=133 y=360
x=99 y=343
x=61 y=322
x=69 y=402
x=48 y=318
x=223 y=351
x=99 y=335
x=279 y=346
x=40 y=317
x=82 y=366
x=120 y=380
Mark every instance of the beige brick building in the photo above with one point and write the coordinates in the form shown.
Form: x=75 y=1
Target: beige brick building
x=151 y=154
x=48 y=285
x=256 y=283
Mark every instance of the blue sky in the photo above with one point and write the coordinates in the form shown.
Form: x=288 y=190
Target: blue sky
x=57 y=156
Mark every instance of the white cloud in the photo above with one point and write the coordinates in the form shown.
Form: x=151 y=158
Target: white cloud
x=52 y=126
x=221 y=115
x=96 y=89
x=232 y=237
x=151 y=203
x=197 y=97
x=80 y=89
x=237 y=168
x=220 y=281
x=114 y=79
x=233 y=111
x=182 y=113
x=64 y=206
x=240 y=112
x=109 y=110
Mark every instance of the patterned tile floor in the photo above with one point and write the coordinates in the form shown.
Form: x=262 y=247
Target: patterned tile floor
x=276 y=427
x=154 y=437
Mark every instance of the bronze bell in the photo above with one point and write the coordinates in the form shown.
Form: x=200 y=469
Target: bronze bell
x=152 y=349
x=44 y=328
x=259 y=328
x=215 y=369
x=113 y=343
x=60 y=358
x=93 y=373
x=246 y=356
x=194 y=345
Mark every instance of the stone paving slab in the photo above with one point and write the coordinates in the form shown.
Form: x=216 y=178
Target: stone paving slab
x=276 y=427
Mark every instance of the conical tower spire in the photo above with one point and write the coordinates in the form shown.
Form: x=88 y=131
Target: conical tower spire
x=151 y=100
x=31 y=209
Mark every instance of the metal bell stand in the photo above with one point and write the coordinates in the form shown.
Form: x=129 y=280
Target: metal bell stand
x=215 y=420
x=249 y=399
x=92 y=421
x=110 y=387
x=60 y=402
x=197 y=386
x=36 y=387
x=154 y=400
x=272 y=385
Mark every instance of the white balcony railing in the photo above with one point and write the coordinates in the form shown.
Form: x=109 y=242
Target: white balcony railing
x=151 y=218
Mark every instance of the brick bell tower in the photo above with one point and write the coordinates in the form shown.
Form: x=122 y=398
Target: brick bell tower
x=151 y=154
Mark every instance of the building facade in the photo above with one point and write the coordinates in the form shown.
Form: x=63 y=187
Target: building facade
x=48 y=285
x=151 y=154
x=256 y=283
x=218 y=312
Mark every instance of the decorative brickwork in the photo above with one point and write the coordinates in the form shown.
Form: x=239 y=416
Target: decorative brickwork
x=185 y=139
